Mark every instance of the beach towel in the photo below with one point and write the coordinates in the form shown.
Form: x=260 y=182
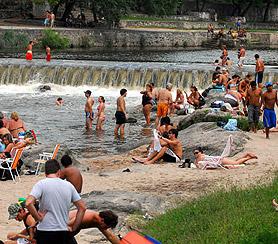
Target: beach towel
x=231 y=125
x=157 y=147
x=133 y=237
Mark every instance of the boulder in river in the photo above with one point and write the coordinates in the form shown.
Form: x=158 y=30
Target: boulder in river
x=44 y=88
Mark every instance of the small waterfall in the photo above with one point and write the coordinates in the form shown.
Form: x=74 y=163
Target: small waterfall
x=130 y=76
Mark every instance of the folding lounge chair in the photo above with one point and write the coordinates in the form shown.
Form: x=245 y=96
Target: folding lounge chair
x=10 y=164
x=46 y=156
x=226 y=152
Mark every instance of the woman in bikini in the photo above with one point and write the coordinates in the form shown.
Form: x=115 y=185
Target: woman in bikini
x=147 y=103
x=16 y=125
x=100 y=114
x=179 y=102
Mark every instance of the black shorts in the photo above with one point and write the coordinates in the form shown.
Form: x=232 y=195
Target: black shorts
x=54 y=237
x=120 y=118
x=259 y=77
x=170 y=156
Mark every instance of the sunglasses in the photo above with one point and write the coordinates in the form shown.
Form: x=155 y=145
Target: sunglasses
x=196 y=152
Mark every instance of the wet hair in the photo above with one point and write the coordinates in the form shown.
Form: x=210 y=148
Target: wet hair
x=228 y=58
x=52 y=166
x=123 y=91
x=102 y=99
x=15 y=116
x=59 y=99
x=256 y=56
x=175 y=132
x=253 y=83
x=8 y=137
x=199 y=149
x=109 y=218
x=1 y=123
x=179 y=90
x=216 y=61
x=248 y=76
x=152 y=84
x=30 y=42
x=194 y=87
x=165 y=121
x=66 y=160
x=217 y=68
x=235 y=76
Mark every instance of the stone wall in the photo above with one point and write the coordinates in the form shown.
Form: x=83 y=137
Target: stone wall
x=138 y=38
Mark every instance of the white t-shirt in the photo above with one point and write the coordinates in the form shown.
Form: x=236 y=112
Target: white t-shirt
x=55 y=196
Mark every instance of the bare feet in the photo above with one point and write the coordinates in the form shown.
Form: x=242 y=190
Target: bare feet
x=139 y=160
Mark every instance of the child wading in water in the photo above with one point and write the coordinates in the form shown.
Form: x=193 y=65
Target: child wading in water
x=100 y=114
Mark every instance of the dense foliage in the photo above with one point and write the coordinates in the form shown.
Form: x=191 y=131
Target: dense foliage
x=10 y=39
x=53 y=39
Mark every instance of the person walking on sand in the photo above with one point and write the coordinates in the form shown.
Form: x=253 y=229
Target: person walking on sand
x=253 y=101
x=164 y=103
x=269 y=99
x=48 y=54
x=89 y=109
x=55 y=197
x=259 y=70
x=120 y=115
x=71 y=173
x=100 y=113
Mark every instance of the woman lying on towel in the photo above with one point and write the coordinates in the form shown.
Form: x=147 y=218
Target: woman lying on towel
x=203 y=161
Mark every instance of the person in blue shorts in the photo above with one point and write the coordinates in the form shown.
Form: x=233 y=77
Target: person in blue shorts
x=269 y=99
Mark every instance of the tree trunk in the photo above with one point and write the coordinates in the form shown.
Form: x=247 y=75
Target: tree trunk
x=244 y=11
x=266 y=11
x=197 y=6
x=94 y=12
x=68 y=8
x=56 y=7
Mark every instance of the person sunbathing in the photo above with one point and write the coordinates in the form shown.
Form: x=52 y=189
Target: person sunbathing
x=205 y=161
x=170 y=152
x=103 y=221
x=18 y=212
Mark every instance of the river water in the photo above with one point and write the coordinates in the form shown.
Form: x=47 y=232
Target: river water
x=66 y=124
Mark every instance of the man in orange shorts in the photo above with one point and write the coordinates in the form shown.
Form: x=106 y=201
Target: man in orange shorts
x=164 y=101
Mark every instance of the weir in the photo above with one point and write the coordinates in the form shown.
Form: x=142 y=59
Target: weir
x=112 y=74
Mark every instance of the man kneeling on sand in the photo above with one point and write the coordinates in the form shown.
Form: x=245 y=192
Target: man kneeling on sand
x=103 y=221
x=170 y=152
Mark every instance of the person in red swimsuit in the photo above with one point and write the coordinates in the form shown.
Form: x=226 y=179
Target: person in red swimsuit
x=48 y=54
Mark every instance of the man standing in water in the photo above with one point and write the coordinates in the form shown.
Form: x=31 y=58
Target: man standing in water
x=269 y=99
x=120 y=115
x=164 y=101
x=259 y=70
x=253 y=100
x=89 y=109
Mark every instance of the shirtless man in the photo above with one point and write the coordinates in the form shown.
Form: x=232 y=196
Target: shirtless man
x=103 y=221
x=259 y=70
x=29 y=54
x=223 y=78
x=89 y=109
x=253 y=100
x=71 y=173
x=165 y=101
x=154 y=93
x=269 y=99
x=120 y=115
x=170 y=152
x=241 y=56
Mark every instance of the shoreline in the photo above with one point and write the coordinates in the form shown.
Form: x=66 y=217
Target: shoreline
x=173 y=184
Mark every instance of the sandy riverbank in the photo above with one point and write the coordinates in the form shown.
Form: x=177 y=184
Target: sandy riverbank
x=165 y=180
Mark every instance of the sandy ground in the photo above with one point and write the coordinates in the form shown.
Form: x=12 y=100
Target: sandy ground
x=161 y=179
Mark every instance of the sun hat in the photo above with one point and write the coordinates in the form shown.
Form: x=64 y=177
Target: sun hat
x=13 y=210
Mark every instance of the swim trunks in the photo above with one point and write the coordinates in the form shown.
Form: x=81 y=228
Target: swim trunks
x=170 y=156
x=253 y=113
x=269 y=118
x=87 y=115
x=29 y=55
x=259 y=77
x=120 y=118
x=162 y=110
x=48 y=57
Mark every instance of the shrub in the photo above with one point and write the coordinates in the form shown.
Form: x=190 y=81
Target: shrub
x=12 y=40
x=53 y=39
